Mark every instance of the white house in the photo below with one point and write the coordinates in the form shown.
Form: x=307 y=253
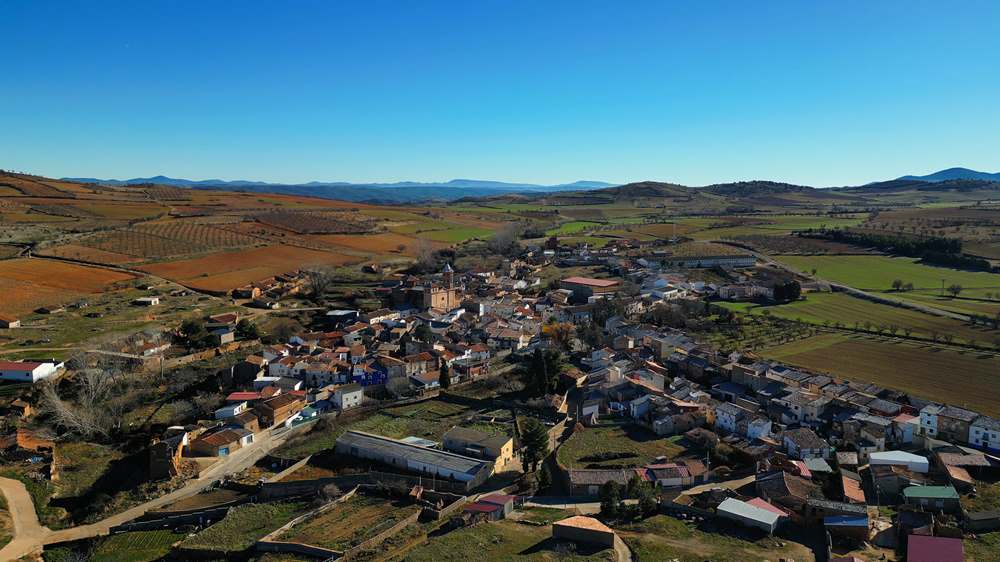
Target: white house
x=929 y=419
x=27 y=371
x=146 y=301
x=348 y=396
x=985 y=432
x=758 y=428
x=915 y=463
x=727 y=416
x=231 y=410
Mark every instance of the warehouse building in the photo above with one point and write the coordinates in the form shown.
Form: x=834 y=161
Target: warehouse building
x=414 y=458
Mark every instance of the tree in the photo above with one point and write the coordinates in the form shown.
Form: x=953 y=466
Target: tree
x=908 y=286
x=194 y=334
x=561 y=333
x=544 y=478
x=318 y=281
x=543 y=370
x=955 y=289
x=504 y=242
x=445 y=378
x=247 y=329
x=423 y=333
x=610 y=494
x=897 y=284
x=536 y=443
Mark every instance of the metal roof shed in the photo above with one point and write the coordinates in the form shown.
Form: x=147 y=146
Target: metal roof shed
x=747 y=514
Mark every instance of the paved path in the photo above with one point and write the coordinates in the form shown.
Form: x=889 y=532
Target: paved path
x=30 y=537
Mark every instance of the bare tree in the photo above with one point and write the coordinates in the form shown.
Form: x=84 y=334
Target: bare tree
x=318 y=281
x=425 y=256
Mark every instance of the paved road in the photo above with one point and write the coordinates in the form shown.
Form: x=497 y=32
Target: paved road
x=30 y=536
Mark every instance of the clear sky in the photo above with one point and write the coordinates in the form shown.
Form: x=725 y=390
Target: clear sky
x=820 y=93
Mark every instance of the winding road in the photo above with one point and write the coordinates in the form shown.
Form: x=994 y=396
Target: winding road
x=30 y=537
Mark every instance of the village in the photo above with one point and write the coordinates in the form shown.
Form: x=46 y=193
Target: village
x=498 y=396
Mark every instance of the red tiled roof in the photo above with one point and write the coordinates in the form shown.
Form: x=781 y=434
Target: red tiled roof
x=482 y=507
x=243 y=396
x=764 y=504
x=591 y=281
x=19 y=365
x=583 y=522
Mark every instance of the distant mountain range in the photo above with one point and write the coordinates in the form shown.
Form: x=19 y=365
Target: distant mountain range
x=954 y=174
x=951 y=179
x=396 y=192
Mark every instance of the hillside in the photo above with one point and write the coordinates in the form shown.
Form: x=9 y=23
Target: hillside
x=954 y=174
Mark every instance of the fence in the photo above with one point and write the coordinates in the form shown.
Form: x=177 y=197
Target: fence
x=199 y=518
x=174 y=362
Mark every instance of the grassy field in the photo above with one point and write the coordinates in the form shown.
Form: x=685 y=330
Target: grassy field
x=502 y=540
x=821 y=308
x=985 y=548
x=876 y=273
x=6 y=524
x=244 y=525
x=643 y=445
x=430 y=420
x=932 y=372
x=81 y=465
x=571 y=227
x=350 y=523
x=663 y=539
x=139 y=546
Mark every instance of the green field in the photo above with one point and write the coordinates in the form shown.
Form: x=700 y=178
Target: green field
x=571 y=227
x=351 y=523
x=138 y=546
x=502 y=540
x=643 y=444
x=244 y=525
x=831 y=308
x=876 y=274
x=663 y=539
x=968 y=379
x=984 y=548
x=430 y=420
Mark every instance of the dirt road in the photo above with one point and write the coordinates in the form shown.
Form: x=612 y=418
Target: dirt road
x=30 y=537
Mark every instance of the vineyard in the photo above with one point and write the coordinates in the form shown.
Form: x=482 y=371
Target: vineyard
x=313 y=223
x=796 y=245
x=165 y=239
x=31 y=187
x=167 y=193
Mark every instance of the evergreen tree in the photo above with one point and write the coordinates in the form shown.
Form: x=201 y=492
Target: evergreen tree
x=445 y=378
x=536 y=443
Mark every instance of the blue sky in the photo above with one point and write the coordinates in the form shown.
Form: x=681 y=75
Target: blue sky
x=821 y=93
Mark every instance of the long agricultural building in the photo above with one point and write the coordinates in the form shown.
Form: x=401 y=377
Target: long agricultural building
x=415 y=458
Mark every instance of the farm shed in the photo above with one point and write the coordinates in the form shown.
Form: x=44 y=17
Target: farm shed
x=485 y=511
x=584 y=529
x=9 y=322
x=847 y=526
x=146 y=301
x=934 y=498
x=748 y=515
x=914 y=463
x=26 y=371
